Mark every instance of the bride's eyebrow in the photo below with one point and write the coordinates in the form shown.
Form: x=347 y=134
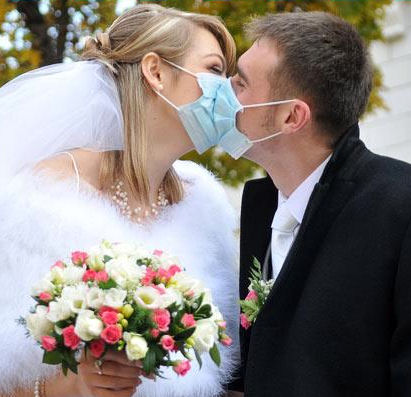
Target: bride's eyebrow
x=219 y=56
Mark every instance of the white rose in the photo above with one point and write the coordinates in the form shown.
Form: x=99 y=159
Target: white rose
x=186 y=283
x=114 y=297
x=38 y=324
x=148 y=297
x=205 y=335
x=59 y=310
x=127 y=249
x=88 y=326
x=76 y=296
x=44 y=285
x=72 y=274
x=95 y=298
x=136 y=346
x=125 y=272
x=171 y=296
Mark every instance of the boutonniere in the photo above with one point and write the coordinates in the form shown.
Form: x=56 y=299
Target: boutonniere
x=259 y=290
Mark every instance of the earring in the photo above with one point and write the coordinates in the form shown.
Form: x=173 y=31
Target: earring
x=161 y=87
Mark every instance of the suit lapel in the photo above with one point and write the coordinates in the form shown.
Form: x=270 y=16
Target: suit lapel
x=327 y=200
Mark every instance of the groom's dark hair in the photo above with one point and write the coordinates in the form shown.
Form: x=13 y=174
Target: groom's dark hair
x=324 y=61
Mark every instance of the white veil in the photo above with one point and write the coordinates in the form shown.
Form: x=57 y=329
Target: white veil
x=57 y=108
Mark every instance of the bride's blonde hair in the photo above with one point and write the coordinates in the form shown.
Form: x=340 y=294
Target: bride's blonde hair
x=140 y=30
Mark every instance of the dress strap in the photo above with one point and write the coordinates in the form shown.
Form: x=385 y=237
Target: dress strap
x=75 y=169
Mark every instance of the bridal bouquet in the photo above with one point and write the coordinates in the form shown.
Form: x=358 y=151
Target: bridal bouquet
x=120 y=296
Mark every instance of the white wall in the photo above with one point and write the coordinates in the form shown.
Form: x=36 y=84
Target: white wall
x=389 y=132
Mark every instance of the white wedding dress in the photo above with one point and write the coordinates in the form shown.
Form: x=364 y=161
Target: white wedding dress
x=43 y=220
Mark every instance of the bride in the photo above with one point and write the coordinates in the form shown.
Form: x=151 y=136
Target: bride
x=88 y=152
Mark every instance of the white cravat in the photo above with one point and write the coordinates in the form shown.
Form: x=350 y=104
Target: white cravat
x=283 y=227
x=289 y=215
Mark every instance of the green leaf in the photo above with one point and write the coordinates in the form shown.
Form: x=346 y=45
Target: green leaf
x=52 y=358
x=200 y=362
x=107 y=284
x=184 y=335
x=215 y=355
x=107 y=258
x=149 y=362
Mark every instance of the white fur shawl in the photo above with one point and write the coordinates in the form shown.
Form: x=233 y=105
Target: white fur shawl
x=43 y=220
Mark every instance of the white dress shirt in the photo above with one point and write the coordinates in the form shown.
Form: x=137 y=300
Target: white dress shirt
x=297 y=203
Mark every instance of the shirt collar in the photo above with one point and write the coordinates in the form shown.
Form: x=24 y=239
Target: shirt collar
x=298 y=200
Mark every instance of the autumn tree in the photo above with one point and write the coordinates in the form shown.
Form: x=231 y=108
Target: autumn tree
x=42 y=32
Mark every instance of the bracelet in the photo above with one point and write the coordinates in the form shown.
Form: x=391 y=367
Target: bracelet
x=40 y=388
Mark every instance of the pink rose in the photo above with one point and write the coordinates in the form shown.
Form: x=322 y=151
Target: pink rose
x=188 y=320
x=70 y=338
x=158 y=252
x=189 y=294
x=222 y=324
x=104 y=309
x=182 y=367
x=162 y=319
x=154 y=333
x=112 y=334
x=89 y=275
x=109 y=317
x=102 y=275
x=79 y=258
x=252 y=296
x=45 y=296
x=163 y=274
x=97 y=348
x=167 y=342
x=149 y=277
x=49 y=343
x=59 y=264
x=226 y=340
x=245 y=323
x=173 y=269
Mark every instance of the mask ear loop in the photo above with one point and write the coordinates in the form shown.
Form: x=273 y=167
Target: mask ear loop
x=266 y=138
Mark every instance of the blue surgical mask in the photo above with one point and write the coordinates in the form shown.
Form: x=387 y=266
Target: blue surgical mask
x=211 y=119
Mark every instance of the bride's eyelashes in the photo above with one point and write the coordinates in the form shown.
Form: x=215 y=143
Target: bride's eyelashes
x=216 y=69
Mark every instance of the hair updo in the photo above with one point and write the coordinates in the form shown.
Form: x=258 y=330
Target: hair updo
x=138 y=31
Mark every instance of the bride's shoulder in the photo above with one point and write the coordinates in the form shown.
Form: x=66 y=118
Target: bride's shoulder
x=78 y=163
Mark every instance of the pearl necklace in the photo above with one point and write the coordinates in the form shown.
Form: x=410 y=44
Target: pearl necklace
x=120 y=197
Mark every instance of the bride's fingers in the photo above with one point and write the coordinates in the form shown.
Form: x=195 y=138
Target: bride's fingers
x=98 y=392
x=112 y=382
x=121 y=358
x=111 y=368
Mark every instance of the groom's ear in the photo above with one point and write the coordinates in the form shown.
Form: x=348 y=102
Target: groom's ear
x=299 y=115
x=153 y=70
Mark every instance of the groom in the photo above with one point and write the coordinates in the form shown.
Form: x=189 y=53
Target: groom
x=331 y=222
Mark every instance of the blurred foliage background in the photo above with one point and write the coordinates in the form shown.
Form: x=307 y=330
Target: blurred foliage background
x=35 y=33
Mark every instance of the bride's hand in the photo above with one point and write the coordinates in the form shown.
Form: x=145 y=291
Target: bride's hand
x=119 y=377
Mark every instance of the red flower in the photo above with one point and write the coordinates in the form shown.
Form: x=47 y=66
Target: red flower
x=149 y=277
x=97 y=348
x=102 y=276
x=45 y=296
x=226 y=340
x=154 y=333
x=173 y=269
x=252 y=296
x=162 y=319
x=89 y=275
x=167 y=342
x=59 y=264
x=182 y=367
x=188 y=320
x=158 y=252
x=70 y=338
x=79 y=258
x=104 y=309
x=109 y=317
x=112 y=334
x=245 y=323
x=49 y=343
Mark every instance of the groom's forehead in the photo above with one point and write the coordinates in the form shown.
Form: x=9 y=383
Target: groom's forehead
x=258 y=61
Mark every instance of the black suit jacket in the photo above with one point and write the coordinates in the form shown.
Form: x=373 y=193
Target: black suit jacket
x=338 y=319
